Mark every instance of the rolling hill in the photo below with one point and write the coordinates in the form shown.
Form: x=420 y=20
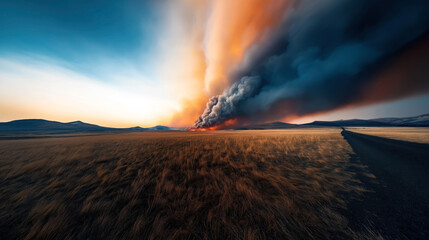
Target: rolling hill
x=41 y=126
x=417 y=121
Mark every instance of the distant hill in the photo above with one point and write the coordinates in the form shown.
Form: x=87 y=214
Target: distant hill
x=350 y=123
x=41 y=126
x=422 y=120
x=417 y=121
x=159 y=127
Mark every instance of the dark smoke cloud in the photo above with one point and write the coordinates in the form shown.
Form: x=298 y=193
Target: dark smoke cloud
x=226 y=104
x=324 y=57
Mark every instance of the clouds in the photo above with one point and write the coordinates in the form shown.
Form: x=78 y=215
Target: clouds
x=232 y=28
x=325 y=55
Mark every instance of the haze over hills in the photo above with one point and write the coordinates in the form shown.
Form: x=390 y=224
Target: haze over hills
x=36 y=126
x=417 y=121
x=422 y=120
x=49 y=127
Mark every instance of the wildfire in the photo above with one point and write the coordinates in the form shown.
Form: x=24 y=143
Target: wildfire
x=225 y=125
x=203 y=129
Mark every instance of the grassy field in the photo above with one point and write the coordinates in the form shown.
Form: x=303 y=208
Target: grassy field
x=285 y=184
x=410 y=134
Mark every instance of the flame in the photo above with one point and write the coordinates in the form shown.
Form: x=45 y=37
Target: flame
x=203 y=129
x=223 y=126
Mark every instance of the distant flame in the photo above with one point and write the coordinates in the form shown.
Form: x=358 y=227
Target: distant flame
x=203 y=129
x=225 y=125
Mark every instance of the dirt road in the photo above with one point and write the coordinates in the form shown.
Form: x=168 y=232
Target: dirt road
x=397 y=204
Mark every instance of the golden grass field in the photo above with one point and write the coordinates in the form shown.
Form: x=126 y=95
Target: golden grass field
x=410 y=134
x=271 y=184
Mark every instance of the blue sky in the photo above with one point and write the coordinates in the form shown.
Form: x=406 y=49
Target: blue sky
x=81 y=33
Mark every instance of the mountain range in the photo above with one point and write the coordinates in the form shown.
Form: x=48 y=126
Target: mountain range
x=48 y=127
x=417 y=121
x=41 y=126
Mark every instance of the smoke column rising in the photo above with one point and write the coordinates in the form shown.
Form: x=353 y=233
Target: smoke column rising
x=322 y=55
x=233 y=27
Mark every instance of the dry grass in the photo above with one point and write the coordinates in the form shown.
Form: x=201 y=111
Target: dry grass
x=177 y=185
x=410 y=134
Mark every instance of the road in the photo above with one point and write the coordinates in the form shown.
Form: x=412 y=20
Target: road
x=397 y=204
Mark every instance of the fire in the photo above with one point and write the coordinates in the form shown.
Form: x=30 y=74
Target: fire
x=203 y=129
x=225 y=125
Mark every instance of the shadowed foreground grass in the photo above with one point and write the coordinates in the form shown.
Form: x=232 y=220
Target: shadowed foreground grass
x=177 y=185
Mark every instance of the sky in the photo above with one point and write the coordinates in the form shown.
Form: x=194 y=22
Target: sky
x=206 y=63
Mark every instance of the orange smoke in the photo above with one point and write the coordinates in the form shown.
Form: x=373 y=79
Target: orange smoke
x=228 y=124
x=233 y=27
x=191 y=110
x=217 y=47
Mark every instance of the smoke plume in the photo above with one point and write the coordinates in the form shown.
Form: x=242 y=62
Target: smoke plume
x=324 y=55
